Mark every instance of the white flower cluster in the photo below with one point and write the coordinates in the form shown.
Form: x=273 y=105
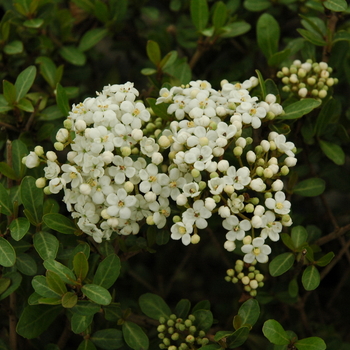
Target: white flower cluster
x=116 y=179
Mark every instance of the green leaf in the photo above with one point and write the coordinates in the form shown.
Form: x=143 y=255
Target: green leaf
x=59 y=223
x=26 y=264
x=311 y=278
x=64 y=272
x=46 y=245
x=325 y=116
x=86 y=308
x=219 y=15
x=134 y=336
x=19 y=150
x=80 y=323
x=310 y=187
x=326 y=259
x=204 y=319
x=35 y=319
x=275 y=333
x=86 y=344
x=238 y=337
x=299 y=236
x=268 y=34
x=159 y=109
x=257 y=5
x=336 y=5
x=182 y=308
x=55 y=283
x=287 y=240
x=199 y=14
x=97 y=294
x=33 y=23
x=14 y=47
x=154 y=306
x=4 y=284
x=69 y=300
x=281 y=264
x=341 y=35
x=39 y=283
x=72 y=55
x=333 y=151
x=7 y=253
x=62 y=100
x=201 y=305
x=91 y=38
x=180 y=70
x=32 y=199
x=298 y=109
x=222 y=334
x=16 y=279
x=108 y=339
x=107 y=271
x=24 y=82
x=25 y=105
x=168 y=59
x=311 y=343
x=153 y=52
x=262 y=84
x=80 y=266
x=113 y=312
x=235 y=29
x=7 y=171
x=148 y=71
x=4 y=201
x=313 y=38
x=9 y=92
x=249 y=312
x=293 y=288
x=277 y=58
x=47 y=70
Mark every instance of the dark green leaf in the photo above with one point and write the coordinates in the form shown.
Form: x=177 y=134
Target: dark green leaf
x=219 y=15
x=26 y=264
x=97 y=294
x=249 y=312
x=107 y=271
x=153 y=52
x=69 y=300
x=25 y=105
x=55 y=283
x=62 y=100
x=183 y=308
x=312 y=343
x=262 y=84
x=281 y=264
x=47 y=70
x=35 y=319
x=268 y=33
x=222 y=334
x=298 y=109
x=310 y=187
x=134 y=336
x=335 y=5
x=80 y=266
x=310 y=278
x=24 y=82
x=51 y=113
x=180 y=70
x=64 y=272
x=7 y=171
x=238 y=337
x=32 y=198
x=16 y=279
x=86 y=308
x=4 y=284
x=257 y=5
x=293 y=288
x=9 y=91
x=235 y=29
x=46 y=245
x=59 y=223
x=7 y=253
x=204 y=319
x=325 y=116
x=79 y=323
x=287 y=240
x=326 y=259
x=168 y=59
x=19 y=150
x=14 y=47
x=201 y=305
x=4 y=201
x=154 y=306
x=91 y=38
x=108 y=339
x=148 y=71
x=159 y=109
x=86 y=344
x=113 y=312
x=199 y=13
x=277 y=58
x=41 y=287
x=275 y=333
x=73 y=55
x=341 y=35
x=299 y=236
x=33 y=23
x=313 y=38
x=333 y=151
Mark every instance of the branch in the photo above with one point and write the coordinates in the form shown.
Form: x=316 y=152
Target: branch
x=333 y=235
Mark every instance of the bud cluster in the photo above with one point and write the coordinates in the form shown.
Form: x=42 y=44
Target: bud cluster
x=251 y=279
x=179 y=334
x=308 y=79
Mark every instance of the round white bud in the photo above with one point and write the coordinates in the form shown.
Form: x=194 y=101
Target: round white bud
x=259 y=210
x=62 y=135
x=85 y=189
x=181 y=199
x=150 y=197
x=104 y=214
x=270 y=98
x=195 y=239
x=246 y=240
x=253 y=284
x=137 y=134
x=125 y=151
x=290 y=161
x=164 y=141
x=224 y=211
x=113 y=222
x=229 y=246
x=59 y=146
x=40 y=182
x=80 y=125
x=128 y=186
x=223 y=165
x=157 y=158
x=241 y=142
x=256 y=221
x=251 y=157
x=265 y=145
x=277 y=185
x=39 y=151
x=303 y=92
x=51 y=156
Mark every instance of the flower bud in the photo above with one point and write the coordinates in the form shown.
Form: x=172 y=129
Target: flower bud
x=68 y=124
x=246 y=240
x=31 y=160
x=253 y=284
x=245 y=280
x=62 y=135
x=195 y=239
x=277 y=185
x=237 y=151
x=40 y=182
x=39 y=151
x=125 y=151
x=224 y=211
x=85 y=189
x=230 y=246
x=51 y=156
x=251 y=157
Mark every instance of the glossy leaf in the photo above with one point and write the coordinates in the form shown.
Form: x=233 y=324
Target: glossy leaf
x=47 y=70
x=268 y=33
x=24 y=82
x=277 y=58
x=199 y=14
x=79 y=323
x=80 y=266
x=238 y=337
x=9 y=91
x=46 y=245
x=63 y=271
x=257 y=5
x=281 y=264
x=235 y=29
x=39 y=283
x=73 y=55
x=310 y=187
x=97 y=294
x=19 y=150
x=219 y=15
x=182 y=308
x=55 y=283
x=4 y=201
x=249 y=312
x=293 y=288
x=7 y=171
x=311 y=343
x=35 y=319
x=62 y=100
x=7 y=253
x=26 y=264
x=91 y=38
x=86 y=344
x=107 y=271
x=69 y=300
x=153 y=52
x=25 y=105
x=312 y=37
x=33 y=23
x=299 y=236
x=154 y=306
x=16 y=279
x=310 y=278
x=333 y=151
x=326 y=259
x=298 y=109
x=86 y=308
x=59 y=223
x=134 y=336
x=275 y=333
x=204 y=319
x=108 y=339
x=14 y=47
x=336 y=5
x=325 y=116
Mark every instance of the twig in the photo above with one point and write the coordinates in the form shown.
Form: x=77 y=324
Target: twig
x=64 y=336
x=331 y=25
x=8 y=126
x=333 y=235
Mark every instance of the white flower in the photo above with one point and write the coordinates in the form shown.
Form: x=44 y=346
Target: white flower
x=271 y=228
x=52 y=170
x=191 y=189
x=257 y=185
x=182 y=231
x=239 y=178
x=256 y=251
x=236 y=228
x=56 y=184
x=148 y=146
x=120 y=204
x=279 y=205
x=32 y=160
x=197 y=215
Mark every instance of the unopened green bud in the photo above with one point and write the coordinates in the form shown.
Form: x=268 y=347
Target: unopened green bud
x=253 y=293
x=238 y=268
x=162 y=320
x=170 y=323
x=261 y=284
x=285 y=80
x=192 y=329
x=270 y=115
x=251 y=275
x=201 y=334
x=240 y=275
x=230 y=272
x=161 y=336
x=166 y=341
x=161 y=346
x=247 y=288
x=47 y=190
x=284 y=170
x=217 y=198
x=59 y=146
x=214 y=174
x=237 y=151
x=311 y=81
x=192 y=317
x=68 y=124
x=245 y=280
x=161 y=328
x=205 y=341
x=228 y=278
x=190 y=338
x=249 y=140
x=173 y=317
x=286 y=88
x=259 y=277
x=195 y=173
x=322 y=94
x=239 y=262
x=249 y=208
x=175 y=336
x=260 y=171
x=251 y=268
x=285 y=70
x=253 y=284
x=234 y=280
x=183 y=346
x=254 y=200
x=268 y=195
x=171 y=330
x=176 y=219
x=280 y=74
